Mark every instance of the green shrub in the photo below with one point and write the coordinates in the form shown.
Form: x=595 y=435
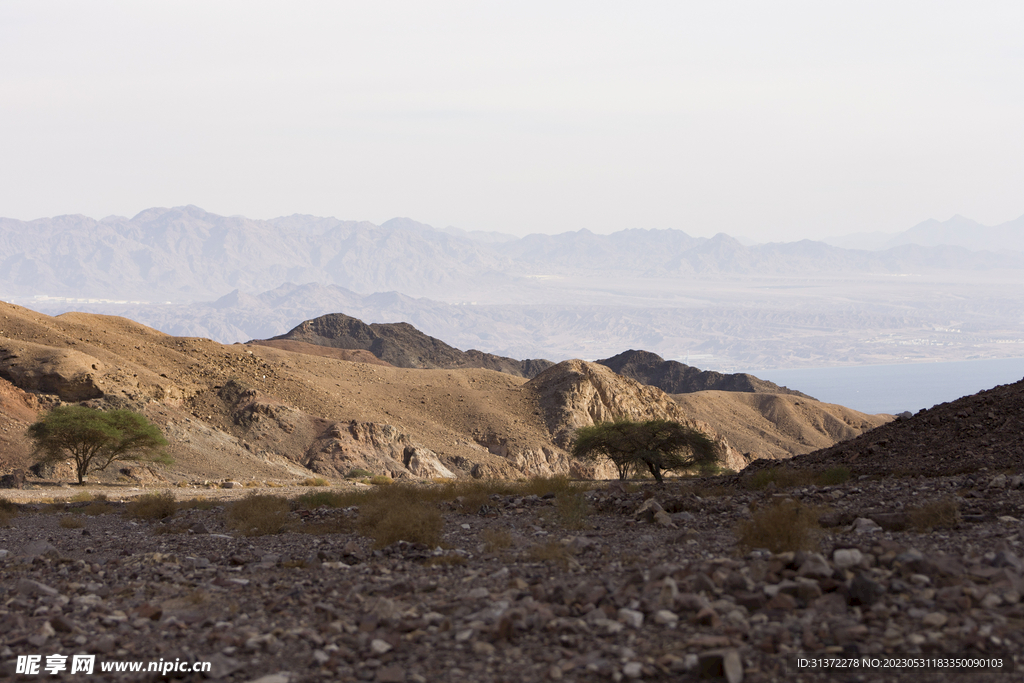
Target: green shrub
x=359 y=473
x=834 y=475
x=152 y=506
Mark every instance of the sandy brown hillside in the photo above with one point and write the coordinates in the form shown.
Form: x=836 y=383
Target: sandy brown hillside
x=250 y=411
x=776 y=425
x=254 y=411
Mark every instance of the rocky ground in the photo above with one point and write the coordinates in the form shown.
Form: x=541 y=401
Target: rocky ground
x=515 y=594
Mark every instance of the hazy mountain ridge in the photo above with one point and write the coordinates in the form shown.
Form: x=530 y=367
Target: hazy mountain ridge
x=185 y=253
x=958 y=231
x=550 y=296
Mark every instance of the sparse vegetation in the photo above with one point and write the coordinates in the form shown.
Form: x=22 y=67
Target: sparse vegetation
x=71 y=522
x=98 y=508
x=328 y=499
x=400 y=517
x=784 y=477
x=94 y=439
x=259 y=515
x=782 y=526
x=314 y=481
x=152 y=506
x=552 y=551
x=573 y=510
x=7 y=511
x=943 y=513
x=381 y=480
x=495 y=539
x=359 y=473
x=655 y=445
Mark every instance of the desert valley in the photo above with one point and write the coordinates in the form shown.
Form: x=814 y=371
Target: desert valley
x=827 y=532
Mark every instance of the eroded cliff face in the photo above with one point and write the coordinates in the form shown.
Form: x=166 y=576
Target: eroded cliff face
x=576 y=394
x=332 y=449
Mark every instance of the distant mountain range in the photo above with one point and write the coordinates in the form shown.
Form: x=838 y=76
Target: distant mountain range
x=192 y=273
x=185 y=254
x=955 y=232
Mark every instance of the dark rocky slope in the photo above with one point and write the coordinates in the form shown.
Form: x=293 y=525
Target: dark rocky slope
x=984 y=430
x=674 y=377
x=403 y=346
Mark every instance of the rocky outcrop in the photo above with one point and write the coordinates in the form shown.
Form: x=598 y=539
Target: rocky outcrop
x=325 y=447
x=674 y=377
x=576 y=394
x=403 y=346
x=71 y=375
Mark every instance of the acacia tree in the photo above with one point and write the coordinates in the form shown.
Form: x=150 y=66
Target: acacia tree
x=657 y=445
x=94 y=439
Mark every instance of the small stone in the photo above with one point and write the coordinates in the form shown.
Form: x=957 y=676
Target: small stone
x=863 y=525
x=633 y=670
x=815 y=566
x=666 y=617
x=280 y=677
x=720 y=664
x=845 y=558
x=379 y=647
x=478 y=593
x=631 y=617
x=483 y=648
x=864 y=591
x=40 y=549
x=198 y=528
x=391 y=674
x=991 y=600
x=30 y=587
x=934 y=620
x=231 y=485
x=662 y=518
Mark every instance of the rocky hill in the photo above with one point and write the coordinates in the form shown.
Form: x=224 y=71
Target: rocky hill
x=287 y=409
x=674 y=377
x=984 y=430
x=403 y=346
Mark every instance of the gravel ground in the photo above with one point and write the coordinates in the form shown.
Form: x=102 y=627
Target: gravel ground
x=514 y=595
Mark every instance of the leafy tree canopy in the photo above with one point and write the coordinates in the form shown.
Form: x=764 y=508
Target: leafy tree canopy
x=657 y=445
x=94 y=439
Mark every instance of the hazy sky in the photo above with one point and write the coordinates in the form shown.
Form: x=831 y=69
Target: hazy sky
x=775 y=120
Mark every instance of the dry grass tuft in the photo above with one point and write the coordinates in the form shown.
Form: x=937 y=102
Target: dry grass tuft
x=381 y=480
x=786 y=477
x=199 y=503
x=7 y=511
x=573 y=510
x=785 y=525
x=943 y=513
x=314 y=481
x=152 y=506
x=446 y=560
x=97 y=508
x=71 y=522
x=388 y=519
x=552 y=551
x=83 y=497
x=259 y=515
x=495 y=539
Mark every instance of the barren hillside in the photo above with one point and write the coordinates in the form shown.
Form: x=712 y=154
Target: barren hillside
x=776 y=425
x=256 y=411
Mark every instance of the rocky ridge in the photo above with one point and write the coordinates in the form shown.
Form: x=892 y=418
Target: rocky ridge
x=674 y=377
x=402 y=345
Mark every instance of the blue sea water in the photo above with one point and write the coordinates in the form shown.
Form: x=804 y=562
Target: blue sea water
x=896 y=388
